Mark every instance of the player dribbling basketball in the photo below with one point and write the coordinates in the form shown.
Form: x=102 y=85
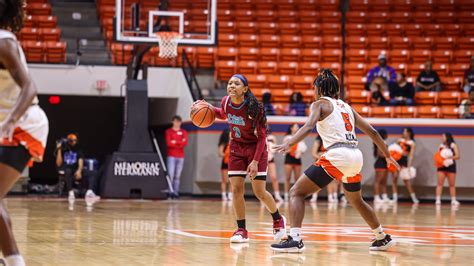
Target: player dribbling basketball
x=248 y=153
x=23 y=125
x=335 y=121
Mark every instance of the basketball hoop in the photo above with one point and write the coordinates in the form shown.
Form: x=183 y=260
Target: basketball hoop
x=168 y=41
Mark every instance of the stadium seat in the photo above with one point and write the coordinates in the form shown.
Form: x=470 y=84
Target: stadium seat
x=268 y=28
x=378 y=17
x=247 y=67
x=331 y=42
x=356 y=69
x=290 y=54
x=331 y=28
x=442 y=56
x=310 y=28
x=452 y=83
x=225 y=69
x=468 y=30
x=355 y=82
x=446 y=43
x=378 y=42
x=466 y=43
x=375 y=30
x=356 y=42
x=205 y=56
x=29 y=34
x=246 y=27
x=405 y=112
x=432 y=30
x=55 y=52
x=289 y=28
x=267 y=67
x=394 y=30
x=400 y=43
x=311 y=55
x=269 y=41
x=308 y=16
x=359 y=5
x=288 y=68
x=281 y=95
x=354 y=17
x=309 y=68
x=401 y=17
x=257 y=81
x=331 y=55
x=413 y=30
x=358 y=96
x=48 y=34
x=356 y=55
x=310 y=41
x=290 y=41
x=422 y=17
x=355 y=30
x=269 y=54
x=121 y=54
x=451 y=112
x=225 y=15
x=423 y=5
x=452 y=29
x=226 y=54
x=247 y=40
x=362 y=110
x=38 y=9
x=381 y=111
x=336 y=67
x=302 y=83
x=426 y=97
x=278 y=82
x=422 y=42
x=242 y=14
x=399 y=56
x=227 y=40
x=33 y=51
x=374 y=54
x=248 y=53
x=287 y=16
x=458 y=70
x=445 y=17
x=427 y=112
x=46 y=22
x=266 y=16
x=420 y=56
x=449 y=97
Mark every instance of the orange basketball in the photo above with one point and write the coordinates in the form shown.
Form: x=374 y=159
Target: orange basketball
x=202 y=115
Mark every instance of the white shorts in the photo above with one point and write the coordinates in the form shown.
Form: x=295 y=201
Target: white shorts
x=31 y=131
x=343 y=164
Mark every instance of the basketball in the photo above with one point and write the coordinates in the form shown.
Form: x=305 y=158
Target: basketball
x=202 y=115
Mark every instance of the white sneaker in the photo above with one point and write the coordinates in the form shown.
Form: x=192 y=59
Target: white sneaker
x=230 y=197
x=385 y=198
x=314 y=198
x=414 y=199
x=330 y=198
x=278 y=198
x=343 y=200
x=438 y=202
x=240 y=236
x=71 y=196
x=279 y=229
x=377 y=199
x=455 y=203
x=224 y=196
x=336 y=200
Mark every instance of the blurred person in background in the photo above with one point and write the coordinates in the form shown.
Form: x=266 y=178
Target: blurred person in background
x=465 y=109
x=297 y=107
x=428 y=79
x=469 y=77
x=402 y=92
x=70 y=163
x=267 y=104
x=384 y=71
x=293 y=158
x=176 y=141
x=224 y=152
x=381 y=173
x=448 y=153
x=272 y=169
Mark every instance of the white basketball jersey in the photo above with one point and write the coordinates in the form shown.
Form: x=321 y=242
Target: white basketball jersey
x=9 y=90
x=339 y=126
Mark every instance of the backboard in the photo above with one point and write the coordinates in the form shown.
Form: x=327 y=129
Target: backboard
x=196 y=20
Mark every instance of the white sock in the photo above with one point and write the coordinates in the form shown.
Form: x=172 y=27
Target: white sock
x=384 y=196
x=224 y=195
x=334 y=195
x=395 y=196
x=15 y=260
x=438 y=198
x=277 y=194
x=413 y=195
x=379 y=234
x=453 y=198
x=295 y=233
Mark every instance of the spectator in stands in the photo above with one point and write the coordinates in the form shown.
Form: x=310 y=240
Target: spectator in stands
x=428 y=79
x=384 y=71
x=70 y=161
x=469 y=77
x=297 y=107
x=466 y=106
x=402 y=92
x=267 y=103
x=176 y=140
x=377 y=96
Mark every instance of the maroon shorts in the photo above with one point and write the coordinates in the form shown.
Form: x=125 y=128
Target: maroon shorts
x=241 y=155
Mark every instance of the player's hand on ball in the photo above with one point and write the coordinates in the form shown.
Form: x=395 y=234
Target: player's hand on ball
x=282 y=148
x=391 y=161
x=252 y=169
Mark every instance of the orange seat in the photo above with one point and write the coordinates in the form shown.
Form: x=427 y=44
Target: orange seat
x=265 y=15
x=290 y=41
x=269 y=54
x=281 y=95
x=226 y=54
x=267 y=67
x=246 y=27
x=55 y=52
x=355 y=82
x=442 y=56
x=310 y=28
x=331 y=28
x=46 y=22
x=269 y=40
x=331 y=55
x=227 y=40
x=248 y=40
x=381 y=111
x=248 y=53
x=400 y=17
x=309 y=68
x=427 y=111
x=29 y=34
x=378 y=17
x=426 y=97
x=289 y=28
x=449 y=97
x=420 y=56
x=400 y=43
x=374 y=54
x=356 y=55
x=38 y=9
x=356 y=42
x=302 y=83
x=378 y=42
x=225 y=69
x=445 y=17
x=356 y=69
x=225 y=15
x=422 y=17
x=405 y=112
x=362 y=110
x=358 y=96
x=330 y=16
x=359 y=5
x=376 y=30
x=269 y=28
x=310 y=41
x=335 y=67
x=308 y=16
x=290 y=54
x=422 y=42
x=331 y=42
x=288 y=16
x=245 y=14
x=446 y=43
x=288 y=68
x=247 y=67
x=466 y=43
x=399 y=56
x=356 y=17
x=433 y=30
x=205 y=56
x=121 y=53
x=468 y=30
x=48 y=34
x=257 y=81
x=414 y=30
x=452 y=29
x=278 y=82
x=355 y=29
x=33 y=51
x=459 y=69
x=394 y=30
x=311 y=55
x=452 y=83
x=449 y=112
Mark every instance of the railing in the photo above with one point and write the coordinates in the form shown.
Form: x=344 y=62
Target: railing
x=190 y=75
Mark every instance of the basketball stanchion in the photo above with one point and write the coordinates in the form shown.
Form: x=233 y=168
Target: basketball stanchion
x=157 y=149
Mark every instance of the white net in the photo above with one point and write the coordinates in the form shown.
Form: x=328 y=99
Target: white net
x=168 y=42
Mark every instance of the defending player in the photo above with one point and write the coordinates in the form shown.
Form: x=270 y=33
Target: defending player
x=23 y=125
x=248 y=153
x=335 y=121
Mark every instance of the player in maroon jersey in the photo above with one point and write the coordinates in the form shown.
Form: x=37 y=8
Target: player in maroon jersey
x=248 y=153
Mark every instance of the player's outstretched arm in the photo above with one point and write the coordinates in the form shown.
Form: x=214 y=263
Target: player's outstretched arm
x=314 y=115
x=363 y=125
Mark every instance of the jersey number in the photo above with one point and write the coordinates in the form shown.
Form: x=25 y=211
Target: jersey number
x=237 y=132
x=347 y=121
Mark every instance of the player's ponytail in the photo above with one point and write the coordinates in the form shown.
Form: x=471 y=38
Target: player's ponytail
x=255 y=110
x=327 y=83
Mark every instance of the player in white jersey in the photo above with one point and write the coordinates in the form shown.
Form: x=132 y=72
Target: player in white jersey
x=23 y=125
x=335 y=121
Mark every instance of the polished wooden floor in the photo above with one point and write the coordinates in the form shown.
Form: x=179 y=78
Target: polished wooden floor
x=195 y=232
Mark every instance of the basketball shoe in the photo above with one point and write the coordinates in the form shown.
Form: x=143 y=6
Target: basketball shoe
x=383 y=244
x=289 y=245
x=240 y=235
x=279 y=228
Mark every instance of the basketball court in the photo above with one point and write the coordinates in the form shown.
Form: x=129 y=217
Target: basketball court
x=196 y=232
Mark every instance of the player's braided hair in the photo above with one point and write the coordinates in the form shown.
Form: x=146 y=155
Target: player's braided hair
x=255 y=110
x=327 y=83
x=13 y=14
